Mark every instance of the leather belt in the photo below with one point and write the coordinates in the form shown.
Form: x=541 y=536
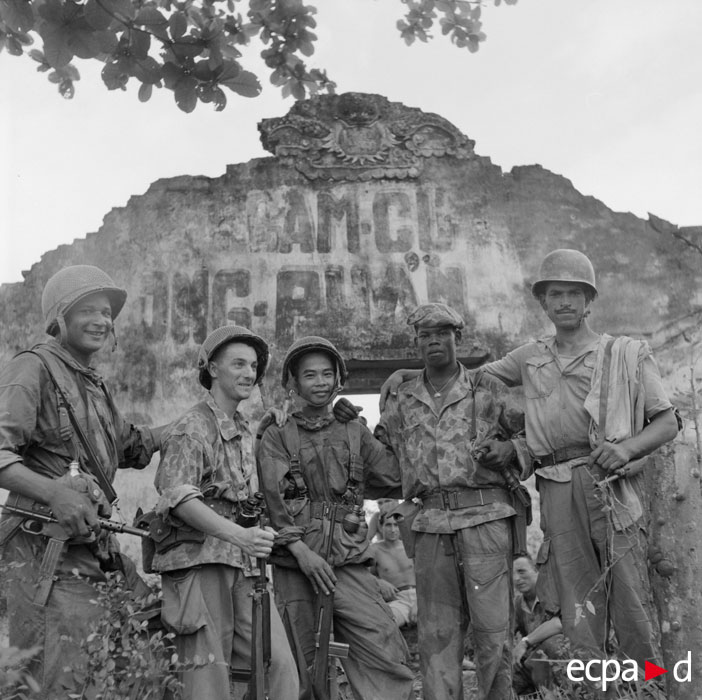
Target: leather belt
x=317 y=510
x=465 y=498
x=406 y=588
x=563 y=454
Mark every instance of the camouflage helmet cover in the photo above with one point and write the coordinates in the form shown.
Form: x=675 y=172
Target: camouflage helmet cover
x=313 y=343
x=435 y=314
x=565 y=265
x=230 y=334
x=71 y=284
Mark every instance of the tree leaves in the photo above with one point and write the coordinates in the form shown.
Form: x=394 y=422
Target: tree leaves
x=194 y=47
x=245 y=84
x=460 y=21
x=18 y=15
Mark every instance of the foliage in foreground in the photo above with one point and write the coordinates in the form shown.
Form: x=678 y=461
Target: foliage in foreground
x=194 y=47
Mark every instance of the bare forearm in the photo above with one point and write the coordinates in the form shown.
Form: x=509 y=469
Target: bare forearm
x=545 y=630
x=24 y=481
x=661 y=429
x=196 y=514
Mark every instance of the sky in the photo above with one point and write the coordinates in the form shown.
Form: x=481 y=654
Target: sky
x=607 y=93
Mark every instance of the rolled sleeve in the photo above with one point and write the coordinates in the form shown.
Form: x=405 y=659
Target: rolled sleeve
x=20 y=398
x=17 y=422
x=524 y=457
x=179 y=473
x=138 y=444
x=656 y=400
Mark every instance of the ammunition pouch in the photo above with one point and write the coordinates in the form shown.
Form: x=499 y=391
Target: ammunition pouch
x=341 y=511
x=165 y=534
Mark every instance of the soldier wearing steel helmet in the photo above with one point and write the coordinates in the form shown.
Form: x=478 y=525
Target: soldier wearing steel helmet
x=307 y=465
x=580 y=430
x=595 y=406
x=43 y=463
x=206 y=473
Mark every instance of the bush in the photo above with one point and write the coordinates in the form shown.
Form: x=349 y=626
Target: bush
x=129 y=654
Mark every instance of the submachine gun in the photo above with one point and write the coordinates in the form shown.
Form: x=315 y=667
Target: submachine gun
x=325 y=648
x=250 y=514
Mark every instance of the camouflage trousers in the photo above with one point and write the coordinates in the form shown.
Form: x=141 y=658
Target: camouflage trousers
x=209 y=609
x=593 y=572
x=442 y=621
x=376 y=667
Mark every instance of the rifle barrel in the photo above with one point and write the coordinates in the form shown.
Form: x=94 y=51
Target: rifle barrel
x=110 y=525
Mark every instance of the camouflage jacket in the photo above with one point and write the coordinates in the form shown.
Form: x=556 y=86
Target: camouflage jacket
x=434 y=447
x=205 y=448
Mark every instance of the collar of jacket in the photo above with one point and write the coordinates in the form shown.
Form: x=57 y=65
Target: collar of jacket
x=57 y=350
x=462 y=388
x=229 y=428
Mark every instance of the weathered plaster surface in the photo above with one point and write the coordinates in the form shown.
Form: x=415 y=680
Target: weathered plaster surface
x=331 y=236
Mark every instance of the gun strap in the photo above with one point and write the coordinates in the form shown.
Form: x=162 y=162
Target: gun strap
x=47 y=570
x=291 y=437
x=353 y=430
x=604 y=390
x=93 y=463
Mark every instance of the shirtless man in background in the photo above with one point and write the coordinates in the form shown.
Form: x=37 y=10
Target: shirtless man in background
x=394 y=569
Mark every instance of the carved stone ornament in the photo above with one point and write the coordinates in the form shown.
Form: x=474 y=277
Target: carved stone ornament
x=356 y=136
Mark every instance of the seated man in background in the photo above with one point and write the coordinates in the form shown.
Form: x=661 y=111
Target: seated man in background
x=541 y=637
x=394 y=569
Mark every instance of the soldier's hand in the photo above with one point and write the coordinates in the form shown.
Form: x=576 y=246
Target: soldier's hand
x=392 y=384
x=387 y=590
x=272 y=415
x=495 y=454
x=317 y=570
x=74 y=511
x=255 y=541
x=344 y=410
x=519 y=651
x=611 y=456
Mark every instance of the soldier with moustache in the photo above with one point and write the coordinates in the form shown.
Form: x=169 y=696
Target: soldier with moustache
x=595 y=408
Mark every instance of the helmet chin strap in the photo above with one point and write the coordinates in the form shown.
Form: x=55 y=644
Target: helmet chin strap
x=63 y=332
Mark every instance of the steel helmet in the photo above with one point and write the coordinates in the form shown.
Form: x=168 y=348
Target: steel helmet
x=71 y=284
x=313 y=343
x=565 y=265
x=229 y=334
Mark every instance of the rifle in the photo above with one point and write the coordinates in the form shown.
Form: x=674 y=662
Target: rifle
x=324 y=645
x=260 y=636
x=37 y=519
x=252 y=513
x=260 y=626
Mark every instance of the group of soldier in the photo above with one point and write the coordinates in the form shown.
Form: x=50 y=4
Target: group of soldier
x=451 y=443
